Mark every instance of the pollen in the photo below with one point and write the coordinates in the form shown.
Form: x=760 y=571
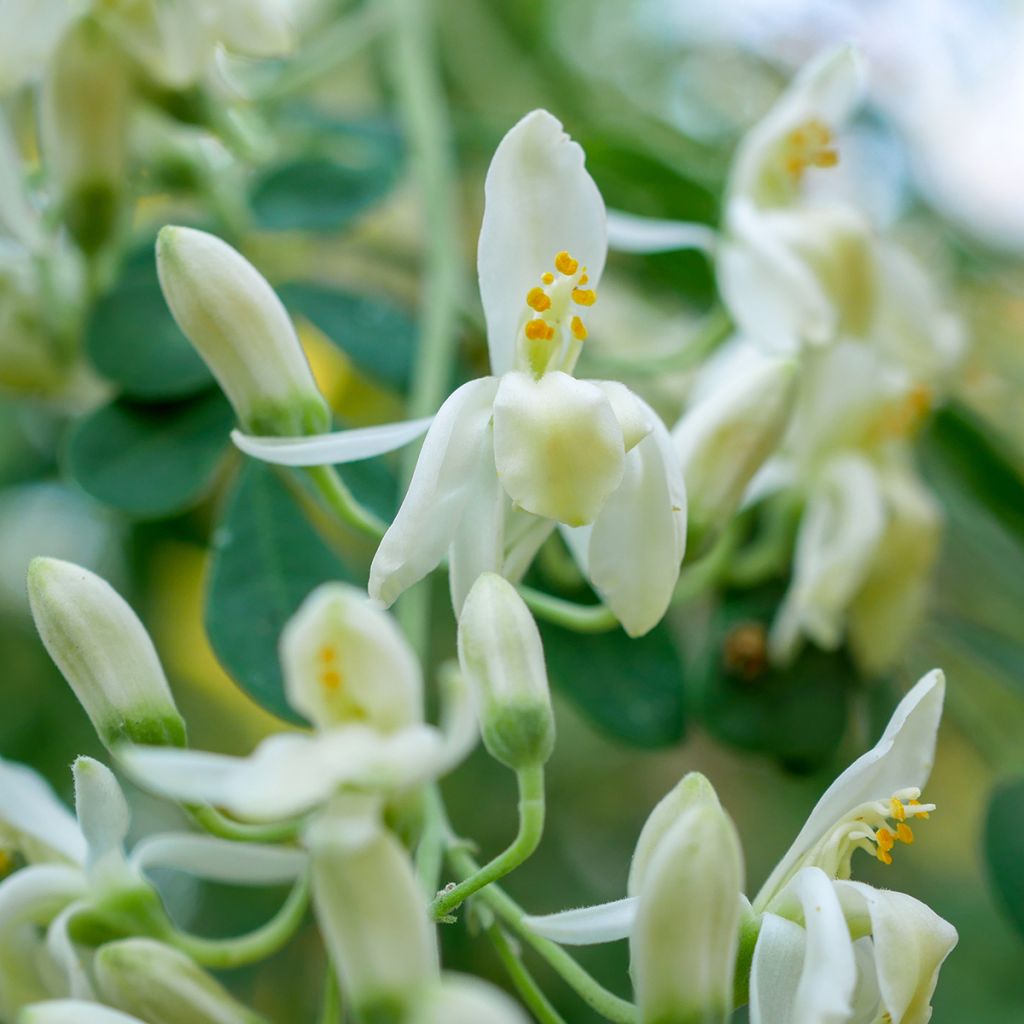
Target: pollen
x=905 y=802
x=886 y=839
x=328 y=655
x=538 y=299
x=917 y=814
x=579 y=329
x=883 y=856
x=330 y=679
x=584 y=296
x=565 y=264
x=547 y=277
x=539 y=330
x=810 y=145
x=904 y=833
x=584 y=277
x=898 y=811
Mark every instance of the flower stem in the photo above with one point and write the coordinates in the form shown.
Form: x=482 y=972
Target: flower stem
x=330 y=1001
x=220 y=825
x=580 y=618
x=531 y=828
x=430 y=850
x=525 y=985
x=342 y=502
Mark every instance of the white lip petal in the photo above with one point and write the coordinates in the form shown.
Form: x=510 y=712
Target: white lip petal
x=587 y=926
x=539 y=200
x=29 y=806
x=219 y=860
x=332 y=449
x=775 y=971
x=630 y=233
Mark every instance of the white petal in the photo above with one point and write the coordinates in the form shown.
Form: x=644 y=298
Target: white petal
x=102 y=815
x=73 y=1011
x=558 y=446
x=346 y=660
x=61 y=947
x=256 y=28
x=219 y=860
x=32 y=29
x=775 y=971
x=630 y=233
x=38 y=893
x=539 y=200
x=901 y=759
x=524 y=536
x=636 y=417
x=586 y=926
x=32 y=816
x=332 y=449
x=639 y=537
x=455 y=445
x=17 y=217
x=461 y=999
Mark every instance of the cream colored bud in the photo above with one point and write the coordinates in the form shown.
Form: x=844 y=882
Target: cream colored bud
x=105 y=654
x=502 y=658
x=461 y=999
x=726 y=437
x=241 y=329
x=163 y=986
x=685 y=937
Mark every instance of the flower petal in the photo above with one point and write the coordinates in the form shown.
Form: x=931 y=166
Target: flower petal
x=441 y=485
x=34 y=819
x=102 y=815
x=461 y=999
x=61 y=947
x=539 y=200
x=73 y=1011
x=775 y=970
x=558 y=446
x=332 y=449
x=901 y=759
x=639 y=537
x=586 y=926
x=630 y=233
x=219 y=860
x=256 y=29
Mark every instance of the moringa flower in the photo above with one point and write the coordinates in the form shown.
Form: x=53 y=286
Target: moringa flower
x=509 y=456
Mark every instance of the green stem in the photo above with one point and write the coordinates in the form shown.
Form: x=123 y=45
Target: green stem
x=580 y=618
x=524 y=982
x=330 y=1001
x=343 y=503
x=218 y=824
x=531 y=828
x=430 y=850
x=222 y=954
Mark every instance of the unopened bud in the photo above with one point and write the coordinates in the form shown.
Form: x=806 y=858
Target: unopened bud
x=502 y=658
x=73 y=1011
x=241 y=329
x=85 y=106
x=726 y=437
x=105 y=654
x=460 y=999
x=163 y=986
x=685 y=937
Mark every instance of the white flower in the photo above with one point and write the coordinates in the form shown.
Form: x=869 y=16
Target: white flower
x=73 y=1011
x=349 y=669
x=510 y=455
x=460 y=999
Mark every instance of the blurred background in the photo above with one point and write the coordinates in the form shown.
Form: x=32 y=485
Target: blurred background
x=114 y=454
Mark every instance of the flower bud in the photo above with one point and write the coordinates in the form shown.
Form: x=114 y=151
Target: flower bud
x=501 y=656
x=239 y=326
x=163 y=986
x=105 y=653
x=372 y=914
x=460 y=999
x=723 y=440
x=73 y=1011
x=686 y=933
x=84 y=119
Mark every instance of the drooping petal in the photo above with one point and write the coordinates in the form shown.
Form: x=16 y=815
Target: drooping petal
x=639 y=537
x=332 y=449
x=539 y=201
x=33 y=819
x=345 y=660
x=38 y=893
x=61 y=948
x=455 y=445
x=775 y=970
x=635 y=416
x=901 y=759
x=558 y=446
x=587 y=926
x=630 y=233
x=103 y=817
x=219 y=860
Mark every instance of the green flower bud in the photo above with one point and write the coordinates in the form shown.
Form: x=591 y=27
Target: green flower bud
x=239 y=326
x=105 y=654
x=502 y=658
x=163 y=986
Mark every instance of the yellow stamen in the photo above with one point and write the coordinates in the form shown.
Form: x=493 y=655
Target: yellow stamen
x=885 y=839
x=883 y=856
x=810 y=145
x=584 y=296
x=565 y=264
x=584 y=277
x=538 y=299
x=918 y=814
x=539 y=330
x=898 y=810
x=331 y=679
x=547 y=277
x=904 y=833
x=579 y=329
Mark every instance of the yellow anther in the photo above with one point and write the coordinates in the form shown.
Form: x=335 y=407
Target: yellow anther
x=331 y=679
x=904 y=833
x=327 y=655
x=886 y=839
x=584 y=296
x=884 y=856
x=810 y=145
x=565 y=264
x=547 y=277
x=584 y=277
x=917 y=814
x=579 y=329
x=539 y=330
x=898 y=810
x=537 y=298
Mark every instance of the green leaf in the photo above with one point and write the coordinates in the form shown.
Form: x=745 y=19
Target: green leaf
x=132 y=339
x=151 y=460
x=266 y=560
x=1004 y=847
x=378 y=336
x=632 y=689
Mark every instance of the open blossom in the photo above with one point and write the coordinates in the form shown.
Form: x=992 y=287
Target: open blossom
x=807 y=967
x=510 y=456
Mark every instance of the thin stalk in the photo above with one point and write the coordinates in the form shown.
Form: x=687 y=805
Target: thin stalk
x=343 y=503
x=580 y=618
x=525 y=985
x=330 y=1001
x=430 y=850
x=218 y=824
x=531 y=828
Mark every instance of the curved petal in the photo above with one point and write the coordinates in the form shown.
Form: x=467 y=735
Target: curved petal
x=74 y=1011
x=32 y=30
x=630 y=233
x=461 y=999
x=38 y=893
x=901 y=759
x=775 y=970
x=257 y=28
x=587 y=926
x=219 y=860
x=31 y=816
x=639 y=537
x=61 y=947
x=441 y=486
x=558 y=445
x=103 y=817
x=539 y=200
x=332 y=449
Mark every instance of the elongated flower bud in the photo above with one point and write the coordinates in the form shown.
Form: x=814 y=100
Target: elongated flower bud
x=239 y=326
x=163 y=986
x=105 y=654
x=501 y=656
x=724 y=439
x=372 y=915
x=684 y=940
x=460 y=999
x=84 y=120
